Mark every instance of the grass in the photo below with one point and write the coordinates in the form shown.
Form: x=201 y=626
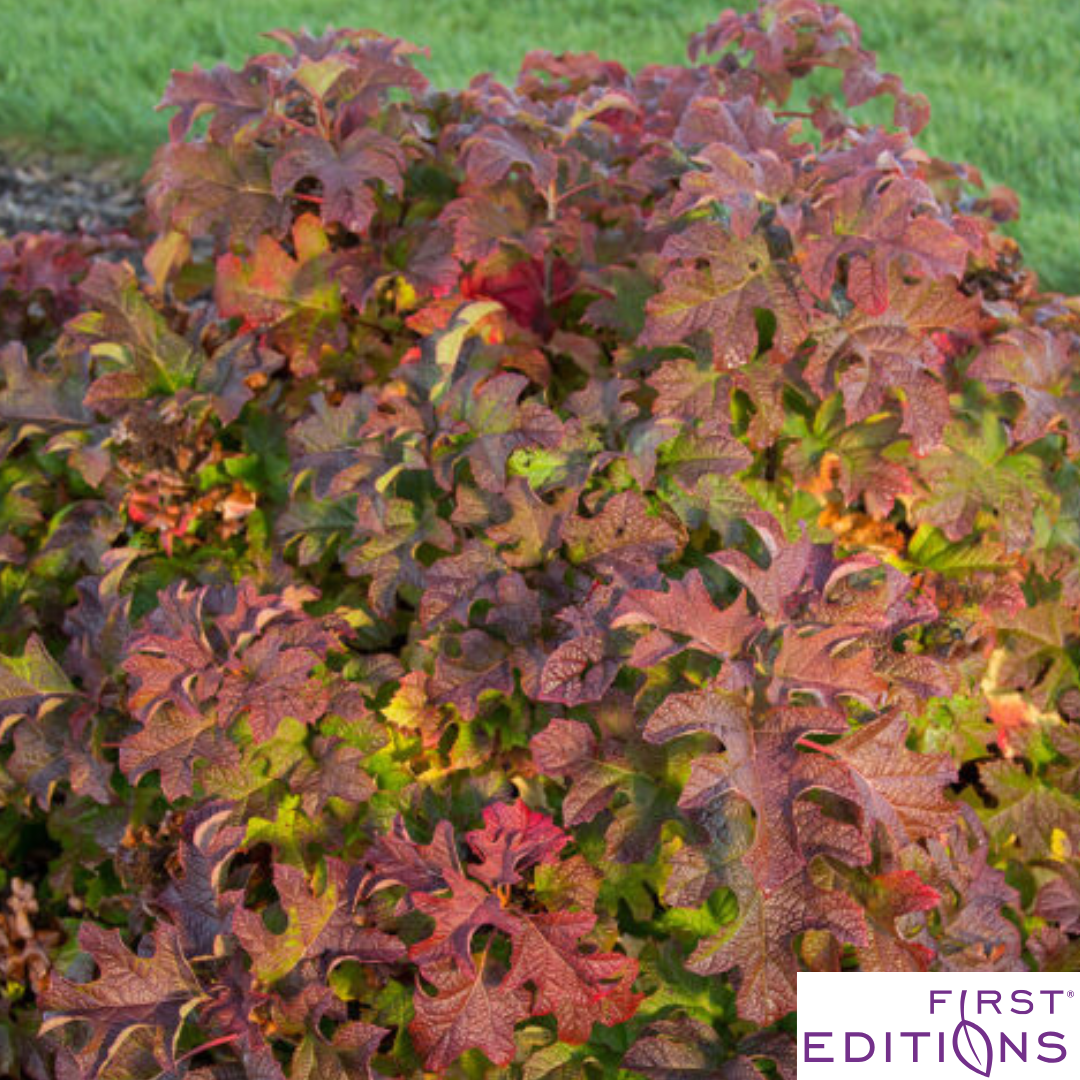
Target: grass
x=83 y=75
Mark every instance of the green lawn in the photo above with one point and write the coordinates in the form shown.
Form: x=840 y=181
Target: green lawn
x=1002 y=75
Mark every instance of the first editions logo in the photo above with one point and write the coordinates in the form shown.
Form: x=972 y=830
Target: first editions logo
x=975 y=1048
x=900 y=1025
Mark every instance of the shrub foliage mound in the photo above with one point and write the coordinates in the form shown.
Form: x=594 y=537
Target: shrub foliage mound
x=501 y=579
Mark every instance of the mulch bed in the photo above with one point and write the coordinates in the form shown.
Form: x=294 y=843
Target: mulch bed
x=50 y=194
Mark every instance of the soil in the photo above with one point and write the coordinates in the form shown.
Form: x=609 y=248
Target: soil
x=42 y=193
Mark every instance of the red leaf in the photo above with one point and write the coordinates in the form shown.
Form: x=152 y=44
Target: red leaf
x=626 y=539
x=344 y=174
x=296 y=299
x=458 y=915
x=513 y=839
x=760 y=947
x=829 y=663
x=527 y=290
x=876 y=225
x=577 y=671
x=687 y=609
x=470 y=1010
x=172 y=742
x=235 y=99
x=568 y=748
x=562 y=746
x=1039 y=366
x=482 y=663
x=580 y=988
x=194 y=899
x=721 y=302
x=270 y=682
x=793 y=570
x=903 y=790
x=870 y=357
x=493 y=151
x=203 y=189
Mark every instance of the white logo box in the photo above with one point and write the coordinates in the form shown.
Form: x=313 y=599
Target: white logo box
x=875 y=1024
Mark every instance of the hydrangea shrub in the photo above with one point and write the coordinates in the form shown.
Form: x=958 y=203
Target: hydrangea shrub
x=494 y=582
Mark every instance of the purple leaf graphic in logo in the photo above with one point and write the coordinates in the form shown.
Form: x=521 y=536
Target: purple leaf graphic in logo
x=977 y=1061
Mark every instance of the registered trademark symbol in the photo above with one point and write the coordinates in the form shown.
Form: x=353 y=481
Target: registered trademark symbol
x=1070 y=993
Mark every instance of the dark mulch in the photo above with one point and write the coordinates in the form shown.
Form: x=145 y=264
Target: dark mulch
x=42 y=193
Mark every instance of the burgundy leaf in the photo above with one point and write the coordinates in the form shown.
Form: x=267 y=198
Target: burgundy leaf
x=459 y=914
x=720 y=303
x=873 y=225
x=195 y=899
x=345 y=1056
x=172 y=743
x=344 y=173
x=132 y=991
x=470 y=1010
x=626 y=539
x=321 y=926
x=687 y=609
x=579 y=986
x=396 y=859
x=1038 y=366
x=903 y=790
x=760 y=946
